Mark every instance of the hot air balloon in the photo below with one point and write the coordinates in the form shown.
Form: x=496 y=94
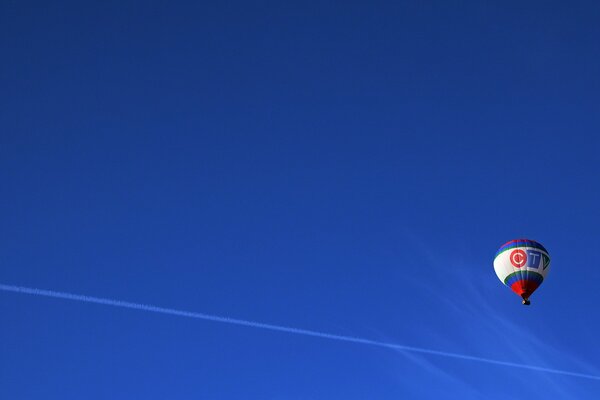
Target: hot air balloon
x=522 y=265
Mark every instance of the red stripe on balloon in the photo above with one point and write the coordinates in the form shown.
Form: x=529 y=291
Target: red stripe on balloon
x=524 y=287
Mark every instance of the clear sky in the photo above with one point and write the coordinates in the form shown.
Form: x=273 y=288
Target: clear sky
x=346 y=167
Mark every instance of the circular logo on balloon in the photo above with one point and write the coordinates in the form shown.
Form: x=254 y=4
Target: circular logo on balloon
x=518 y=258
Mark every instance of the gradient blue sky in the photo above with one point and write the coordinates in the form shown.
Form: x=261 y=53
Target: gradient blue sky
x=345 y=167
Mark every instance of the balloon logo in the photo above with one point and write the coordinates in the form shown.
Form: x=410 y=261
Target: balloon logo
x=518 y=258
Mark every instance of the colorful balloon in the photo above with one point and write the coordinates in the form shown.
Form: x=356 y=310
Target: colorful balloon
x=522 y=265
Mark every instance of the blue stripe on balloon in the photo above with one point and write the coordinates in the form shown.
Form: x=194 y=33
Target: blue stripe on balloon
x=525 y=275
x=521 y=243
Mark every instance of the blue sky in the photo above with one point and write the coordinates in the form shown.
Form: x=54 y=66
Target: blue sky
x=344 y=167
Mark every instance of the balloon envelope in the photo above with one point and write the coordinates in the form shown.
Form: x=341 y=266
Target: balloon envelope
x=522 y=265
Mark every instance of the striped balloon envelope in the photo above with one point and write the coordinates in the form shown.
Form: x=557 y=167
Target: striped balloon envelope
x=522 y=265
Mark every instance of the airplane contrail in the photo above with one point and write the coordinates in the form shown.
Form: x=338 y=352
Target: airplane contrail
x=281 y=328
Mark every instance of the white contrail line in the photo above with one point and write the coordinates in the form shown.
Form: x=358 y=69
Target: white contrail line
x=280 y=328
